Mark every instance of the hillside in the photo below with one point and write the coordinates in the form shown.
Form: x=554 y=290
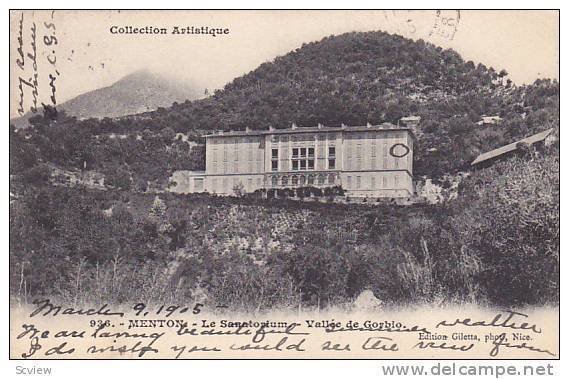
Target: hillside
x=375 y=77
x=353 y=78
x=498 y=244
x=357 y=78
x=139 y=92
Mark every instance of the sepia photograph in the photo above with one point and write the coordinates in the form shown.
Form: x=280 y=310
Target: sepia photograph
x=284 y=184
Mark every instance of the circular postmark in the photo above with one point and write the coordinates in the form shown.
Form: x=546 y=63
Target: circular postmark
x=446 y=24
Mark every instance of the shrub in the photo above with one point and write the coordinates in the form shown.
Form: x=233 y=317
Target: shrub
x=239 y=190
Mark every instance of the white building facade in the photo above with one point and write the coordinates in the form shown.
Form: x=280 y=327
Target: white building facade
x=373 y=161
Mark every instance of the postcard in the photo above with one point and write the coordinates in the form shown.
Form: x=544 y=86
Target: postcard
x=284 y=184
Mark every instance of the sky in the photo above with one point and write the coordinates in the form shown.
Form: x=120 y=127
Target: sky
x=88 y=56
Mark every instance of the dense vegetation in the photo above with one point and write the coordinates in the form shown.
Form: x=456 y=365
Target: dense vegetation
x=497 y=243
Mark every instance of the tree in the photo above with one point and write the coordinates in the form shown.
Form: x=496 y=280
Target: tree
x=168 y=134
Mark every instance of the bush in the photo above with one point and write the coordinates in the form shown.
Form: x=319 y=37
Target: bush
x=511 y=220
x=239 y=190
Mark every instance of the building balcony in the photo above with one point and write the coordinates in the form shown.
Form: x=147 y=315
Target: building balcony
x=295 y=179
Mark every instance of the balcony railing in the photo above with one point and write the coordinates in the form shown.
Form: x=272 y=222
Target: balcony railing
x=301 y=179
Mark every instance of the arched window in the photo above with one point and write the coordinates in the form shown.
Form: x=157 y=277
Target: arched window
x=310 y=180
x=302 y=180
x=294 y=180
x=321 y=179
x=274 y=181
x=285 y=180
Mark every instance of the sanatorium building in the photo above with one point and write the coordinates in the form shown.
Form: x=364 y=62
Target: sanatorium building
x=366 y=161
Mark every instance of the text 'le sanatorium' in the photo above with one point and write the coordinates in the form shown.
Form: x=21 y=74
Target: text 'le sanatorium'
x=188 y=30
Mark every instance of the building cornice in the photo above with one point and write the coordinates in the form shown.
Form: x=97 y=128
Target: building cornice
x=310 y=129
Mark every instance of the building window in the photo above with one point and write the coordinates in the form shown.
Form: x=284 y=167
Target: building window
x=295 y=165
x=274 y=181
x=295 y=152
x=274 y=159
x=331 y=152
x=294 y=180
x=349 y=182
x=249 y=184
x=302 y=180
x=331 y=164
x=310 y=180
x=214 y=185
x=358 y=182
x=303 y=158
x=321 y=179
x=285 y=180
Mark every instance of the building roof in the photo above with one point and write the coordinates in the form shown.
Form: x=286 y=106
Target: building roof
x=308 y=129
x=410 y=118
x=512 y=146
x=489 y=120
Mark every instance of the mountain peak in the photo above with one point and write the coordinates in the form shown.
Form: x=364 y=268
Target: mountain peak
x=140 y=91
x=144 y=75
